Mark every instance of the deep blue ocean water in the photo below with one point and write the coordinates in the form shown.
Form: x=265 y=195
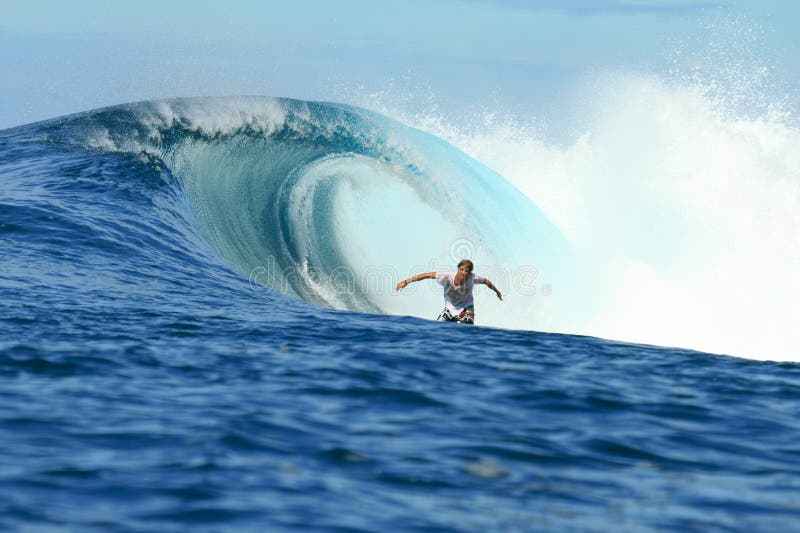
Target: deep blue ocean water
x=147 y=383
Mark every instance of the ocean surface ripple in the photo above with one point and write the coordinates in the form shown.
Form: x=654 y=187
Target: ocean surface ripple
x=148 y=383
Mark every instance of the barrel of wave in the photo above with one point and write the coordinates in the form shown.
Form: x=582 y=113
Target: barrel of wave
x=341 y=203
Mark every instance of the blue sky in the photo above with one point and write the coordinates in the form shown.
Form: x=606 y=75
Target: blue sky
x=61 y=57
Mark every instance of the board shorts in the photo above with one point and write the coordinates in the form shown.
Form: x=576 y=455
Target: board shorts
x=467 y=316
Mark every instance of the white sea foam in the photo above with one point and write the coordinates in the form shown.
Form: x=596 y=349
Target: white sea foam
x=216 y=116
x=687 y=214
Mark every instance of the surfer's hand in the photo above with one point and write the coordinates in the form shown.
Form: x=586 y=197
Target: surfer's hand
x=499 y=296
x=402 y=285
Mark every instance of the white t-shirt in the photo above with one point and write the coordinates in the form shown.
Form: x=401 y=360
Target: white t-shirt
x=456 y=298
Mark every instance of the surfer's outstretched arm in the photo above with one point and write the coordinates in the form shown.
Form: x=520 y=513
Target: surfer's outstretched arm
x=491 y=286
x=427 y=275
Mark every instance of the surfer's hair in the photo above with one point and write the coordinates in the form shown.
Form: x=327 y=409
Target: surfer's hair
x=467 y=263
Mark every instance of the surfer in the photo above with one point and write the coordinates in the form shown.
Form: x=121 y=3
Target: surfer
x=457 y=285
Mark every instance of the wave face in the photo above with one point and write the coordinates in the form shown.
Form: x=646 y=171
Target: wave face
x=333 y=205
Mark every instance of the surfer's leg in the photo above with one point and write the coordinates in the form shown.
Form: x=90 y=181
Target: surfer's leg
x=447 y=316
x=467 y=316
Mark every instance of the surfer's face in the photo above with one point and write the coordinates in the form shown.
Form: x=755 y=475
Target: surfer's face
x=463 y=272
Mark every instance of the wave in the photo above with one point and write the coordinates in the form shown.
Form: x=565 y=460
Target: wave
x=334 y=204
x=668 y=220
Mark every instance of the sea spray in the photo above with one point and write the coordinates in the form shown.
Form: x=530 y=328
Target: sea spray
x=684 y=208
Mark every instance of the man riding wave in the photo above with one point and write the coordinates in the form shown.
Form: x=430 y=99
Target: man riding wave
x=457 y=284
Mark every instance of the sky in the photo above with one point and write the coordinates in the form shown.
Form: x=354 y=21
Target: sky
x=61 y=57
